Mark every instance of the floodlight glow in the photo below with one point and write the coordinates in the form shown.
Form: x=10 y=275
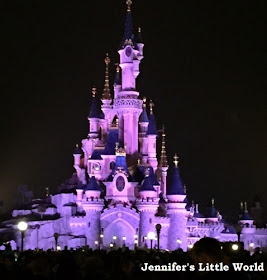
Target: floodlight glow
x=22 y=226
x=96 y=242
x=151 y=235
x=234 y=247
x=179 y=241
x=58 y=248
x=124 y=238
x=190 y=246
x=111 y=245
x=114 y=237
x=251 y=245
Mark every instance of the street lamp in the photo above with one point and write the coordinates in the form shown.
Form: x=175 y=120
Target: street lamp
x=22 y=226
x=151 y=236
x=124 y=238
x=158 y=228
x=235 y=247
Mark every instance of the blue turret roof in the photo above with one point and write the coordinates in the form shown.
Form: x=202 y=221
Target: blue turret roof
x=96 y=154
x=117 y=79
x=113 y=138
x=77 y=150
x=128 y=30
x=246 y=216
x=152 y=129
x=213 y=212
x=92 y=185
x=147 y=184
x=120 y=165
x=176 y=186
x=143 y=117
x=139 y=174
x=96 y=111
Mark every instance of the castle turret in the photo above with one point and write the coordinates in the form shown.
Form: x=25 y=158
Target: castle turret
x=147 y=204
x=176 y=211
x=152 y=138
x=126 y=104
x=247 y=229
x=94 y=116
x=106 y=99
x=163 y=165
x=143 y=140
x=93 y=208
x=117 y=82
x=77 y=155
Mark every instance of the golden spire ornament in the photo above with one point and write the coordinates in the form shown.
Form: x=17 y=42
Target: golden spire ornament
x=129 y=3
x=106 y=92
x=163 y=158
x=176 y=160
x=93 y=91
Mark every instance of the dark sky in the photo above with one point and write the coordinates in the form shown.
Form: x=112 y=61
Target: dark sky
x=203 y=67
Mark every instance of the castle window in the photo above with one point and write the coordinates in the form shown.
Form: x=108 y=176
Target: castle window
x=112 y=165
x=150 y=221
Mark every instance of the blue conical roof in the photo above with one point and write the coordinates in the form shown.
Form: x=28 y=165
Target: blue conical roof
x=92 y=185
x=128 y=31
x=213 y=212
x=152 y=129
x=147 y=184
x=77 y=150
x=246 y=216
x=96 y=111
x=117 y=79
x=143 y=117
x=176 y=186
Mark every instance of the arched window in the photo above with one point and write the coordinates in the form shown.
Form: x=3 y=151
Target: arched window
x=112 y=165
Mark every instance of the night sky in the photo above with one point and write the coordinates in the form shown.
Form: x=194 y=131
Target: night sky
x=203 y=68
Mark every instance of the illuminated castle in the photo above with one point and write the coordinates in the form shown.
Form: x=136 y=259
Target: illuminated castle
x=120 y=189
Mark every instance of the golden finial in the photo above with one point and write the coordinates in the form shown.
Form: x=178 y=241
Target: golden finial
x=107 y=59
x=176 y=161
x=163 y=158
x=185 y=189
x=139 y=29
x=129 y=3
x=212 y=201
x=144 y=102
x=241 y=205
x=138 y=161
x=93 y=91
x=151 y=105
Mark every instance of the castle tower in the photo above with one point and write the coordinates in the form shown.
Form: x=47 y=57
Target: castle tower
x=117 y=82
x=152 y=137
x=147 y=204
x=93 y=207
x=247 y=229
x=163 y=165
x=176 y=211
x=126 y=104
x=143 y=140
x=106 y=101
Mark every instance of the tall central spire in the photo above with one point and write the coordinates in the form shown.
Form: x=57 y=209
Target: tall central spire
x=128 y=30
x=163 y=158
x=106 y=92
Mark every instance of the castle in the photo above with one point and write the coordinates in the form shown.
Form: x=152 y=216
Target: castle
x=119 y=192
